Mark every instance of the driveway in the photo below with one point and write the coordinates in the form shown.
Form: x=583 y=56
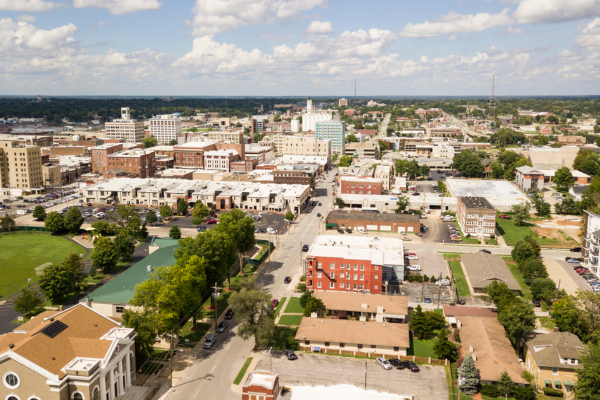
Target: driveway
x=559 y=273
x=315 y=369
x=578 y=279
x=437 y=230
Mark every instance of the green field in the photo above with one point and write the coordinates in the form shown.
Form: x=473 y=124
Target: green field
x=194 y=336
x=514 y=269
x=462 y=288
x=513 y=233
x=294 y=306
x=242 y=372
x=22 y=252
x=290 y=320
x=423 y=348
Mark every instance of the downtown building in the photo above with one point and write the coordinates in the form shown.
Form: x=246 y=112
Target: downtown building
x=590 y=246
x=20 y=166
x=353 y=263
x=165 y=128
x=130 y=130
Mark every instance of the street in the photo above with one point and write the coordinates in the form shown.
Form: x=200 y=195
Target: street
x=383 y=131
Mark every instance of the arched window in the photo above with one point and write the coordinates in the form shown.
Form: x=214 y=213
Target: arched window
x=77 y=396
x=131 y=365
x=12 y=398
x=96 y=394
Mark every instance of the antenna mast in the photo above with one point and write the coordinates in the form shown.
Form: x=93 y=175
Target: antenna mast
x=354 y=89
x=493 y=99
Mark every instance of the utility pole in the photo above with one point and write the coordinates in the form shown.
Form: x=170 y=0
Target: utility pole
x=216 y=298
x=366 y=375
x=269 y=247
x=171 y=359
x=439 y=289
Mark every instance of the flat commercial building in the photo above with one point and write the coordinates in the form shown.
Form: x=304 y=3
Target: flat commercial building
x=227 y=136
x=100 y=156
x=334 y=336
x=360 y=185
x=481 y=269
x=368 y=307
x=353 y=263
x=165 y=128
x=138 y=163
x=476 y=216
x=335 y=131
x=20 y=166
x=302 y=145
x=546 y=157
x=369 y=149
x=292 y=177
x=128 y=129
x=386 y=174
x=388 y=202
x=501 y=194
x=373 y=221
x=192 y=154
x=220 y=159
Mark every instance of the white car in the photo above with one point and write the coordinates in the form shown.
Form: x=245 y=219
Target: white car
x=443 y=282
x=271 y=231
x=415 y=267
x=361 y=230
x=412 y=257
x=383 y=362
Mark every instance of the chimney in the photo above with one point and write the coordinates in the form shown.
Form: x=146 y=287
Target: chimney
x=87 y=301
x=555 y=329
x=60 y=308
x=474 y=357
x=471 y=348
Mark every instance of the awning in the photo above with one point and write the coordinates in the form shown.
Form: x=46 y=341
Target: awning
x=568 y=383
x=548 y=382
x=557 y=383
x=331 y=224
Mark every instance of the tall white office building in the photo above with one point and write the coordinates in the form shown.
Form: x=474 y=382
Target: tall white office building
x=125 y=128
x=165 y=128
x=336 y=131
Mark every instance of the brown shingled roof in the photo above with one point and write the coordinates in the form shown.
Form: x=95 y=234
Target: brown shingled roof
x=354 y=302
x=467 y=311
x=551 y=346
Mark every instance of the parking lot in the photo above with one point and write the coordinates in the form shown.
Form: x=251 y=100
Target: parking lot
x=437 y=230
x=314 y=369
x=570 y=269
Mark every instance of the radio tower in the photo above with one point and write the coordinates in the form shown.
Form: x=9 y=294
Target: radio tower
x=493 y=98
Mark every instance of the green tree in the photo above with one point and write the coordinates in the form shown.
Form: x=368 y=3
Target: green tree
x=56 y=282
x=173 y=142
x=520 y=213
x=125 y=214
x=588 y=376
x=505 y=384
x=304 y=298
x=517 y=319
x=289 y=216
x=497 y=170
x=468 y=376
x=199 y=212
x=54 y=223
x=253 y=312
x=534 y=244
x=533 y=269
x=468 y=163
x=501 y=295
x=74 y=263
x=401 y=167
x=314 y=305
x=145 y=330
x=568 y=316
x=402 y=204
x=104 y=228
x=543 y=289
x=351 y=138
x=104 y=255
x=413 y=170
x=434 y=320
x=591 y=196
x=166 y=211
x=339 y=202
x=134 y=223
x=445 y=349
x=182 y=207
x=7 y=222
x=563 y=179
x=568 y=206
x=418 y=323
x=522 y=252
x=28 y=302
x=39 y=213
x=151 y=217
x=124 y=244
x=73 y=220
x=149 y=142
x=542 y=208
x=345 y=161
x=175 y=232
x=239 y=227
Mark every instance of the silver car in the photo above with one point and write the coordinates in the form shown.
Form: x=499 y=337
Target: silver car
x=383 y=362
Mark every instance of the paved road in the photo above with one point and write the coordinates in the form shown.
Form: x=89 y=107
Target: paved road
x=383 y=130
x=465 y=128
x=214 y=370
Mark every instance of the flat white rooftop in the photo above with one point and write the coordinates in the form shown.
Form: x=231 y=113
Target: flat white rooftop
x=501 y=194
x=257 y=378
x=346 y=392
x=379 y=250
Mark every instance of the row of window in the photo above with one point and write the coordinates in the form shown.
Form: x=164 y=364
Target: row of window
x=360 y=346
x=485 y=216
x=347 y=276
x=355 y=286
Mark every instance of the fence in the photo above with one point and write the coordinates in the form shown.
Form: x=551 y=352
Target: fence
x=257 y=261
x=427 y=360
x=25 y=228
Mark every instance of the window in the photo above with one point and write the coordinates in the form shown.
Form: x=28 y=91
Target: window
x=318 y=274
x=354 y=286
x=360 y=346
x=318 y=284
x=362 y=267
x=362 y=286
x=376 y=267
x=355 y=276
x=341 y=284
x=331 y=285
x=362 y=277
x=307 y=342
x=332 y=275
x=376 y=287
x=131 y=363
x=11 y=380
x=396 y=348
x=373 y=346
x=342 y=345
x=355 y=267
x=332 y=266
x=119 y=309
x=554 y=371
x=376 y=276
x=96 y=394
x=326 y=344
x=77 y=396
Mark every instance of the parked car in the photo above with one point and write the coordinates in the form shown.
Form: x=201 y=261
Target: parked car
x=427 y=300
x=229 y=314
x=274 y=302
x=271 y=231
x=413 y=367
x=318 y=214
x=572 y=260
x=210 y=340
x=348 y=230
x=443 y=282
x=412 y=257
x=575 y=249
x=504 y=216
x=287 y=280
x=202 y=229
x=305 y=247
x=309 y=211
x=361 y=230
x=414 y=267
x=290 y=354
x=340 y=231
x=485 y=251
x=398 y=363
x=212 y=221
x=383 y=362
x=222 y=326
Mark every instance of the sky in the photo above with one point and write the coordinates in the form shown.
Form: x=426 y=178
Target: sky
x=299 y=47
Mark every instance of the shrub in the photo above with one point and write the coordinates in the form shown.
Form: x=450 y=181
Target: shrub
x=432 y=279
x=302 y=287
x=490 y=391
x=552 y=392
x=418 y=278
x=468 y=235
x=459 y=362
x=342 y=315
x=425 y=278
x=457 y=335
x=524 y=393
x=492 y=236
x=304 y=298
x=303 y=278
x=409 y=278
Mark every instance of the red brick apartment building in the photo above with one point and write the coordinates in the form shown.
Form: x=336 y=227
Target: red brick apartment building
x=353 y=264
x=140 y=163
x=100 y=156
x=191 y=155
x=292 y=177
x=360 y=185
x=261 y=385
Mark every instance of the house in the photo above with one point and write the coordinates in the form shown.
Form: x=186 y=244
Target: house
x=481 y=269
x=358 y=338
x=72 y=354
x=261 y=385
x=485 y=340
x=373 y=221
x=553 y=359
x=454 y=313
x=577 y=192
x=368 y=307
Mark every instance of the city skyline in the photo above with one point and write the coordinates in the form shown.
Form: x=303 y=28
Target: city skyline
x=252 y=48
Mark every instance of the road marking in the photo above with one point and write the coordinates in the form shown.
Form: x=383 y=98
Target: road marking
x=213 y=369
x=229 y=346
x=196 y=394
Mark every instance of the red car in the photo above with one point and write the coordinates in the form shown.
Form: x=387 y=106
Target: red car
x=275 y=302
x=333 y=194
x=504 y=216
x=212 y=221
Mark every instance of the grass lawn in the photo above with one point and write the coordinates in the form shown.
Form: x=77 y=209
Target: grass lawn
x=513 y=233
x=242 y=372
x=461 y=283
x=294 y=306
x=284 y=338
x=222 y=303
x=514 y=269
x=547 y=322
x=466 y=239
x=193 y=335
x=22 y=252
x=422 y=348
x=279 y=306
x=290 y=320
x=491 y=241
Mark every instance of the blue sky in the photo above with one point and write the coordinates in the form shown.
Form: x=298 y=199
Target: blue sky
x=299 y=47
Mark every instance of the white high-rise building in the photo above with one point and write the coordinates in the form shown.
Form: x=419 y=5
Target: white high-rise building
x=295 y=125
x=336 y=131
x=125 y=128
x=343 y=103
x=311 y=117
x=165 y=128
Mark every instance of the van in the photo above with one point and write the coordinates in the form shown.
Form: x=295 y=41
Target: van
x=210 y=340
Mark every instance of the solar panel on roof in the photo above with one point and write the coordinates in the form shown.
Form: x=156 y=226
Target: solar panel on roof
x=54 y=329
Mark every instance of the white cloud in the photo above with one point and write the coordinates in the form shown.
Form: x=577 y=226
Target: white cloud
x=514 y=31
x=119 y=7
x=213 y=16
x=26 y=18
x=97 y=26
x=452 y=38
x=590 y=36
x=23 y=36
x=320 y=27
x=553 y=11
x=454 y=22
x=27 y=5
